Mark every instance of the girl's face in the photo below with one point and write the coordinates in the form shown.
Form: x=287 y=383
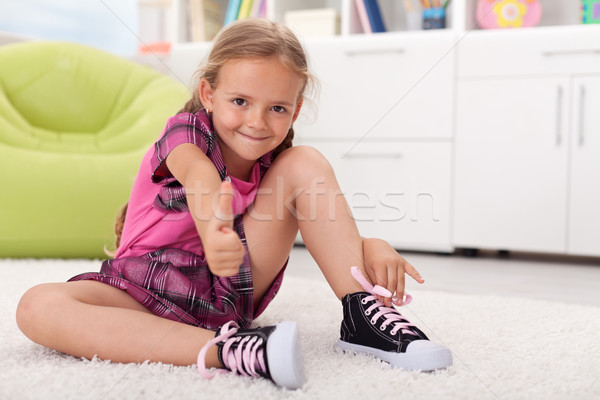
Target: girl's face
x=254 y=104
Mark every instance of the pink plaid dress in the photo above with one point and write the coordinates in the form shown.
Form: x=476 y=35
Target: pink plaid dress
x=160 y=261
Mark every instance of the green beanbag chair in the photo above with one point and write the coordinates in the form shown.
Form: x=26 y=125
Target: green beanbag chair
x=75 y=123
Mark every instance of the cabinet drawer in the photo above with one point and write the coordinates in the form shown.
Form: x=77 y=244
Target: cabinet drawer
x=542 y=50
x=390 y=86
x=399 y=192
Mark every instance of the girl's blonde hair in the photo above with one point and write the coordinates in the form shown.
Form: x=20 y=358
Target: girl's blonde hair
x=248 y=38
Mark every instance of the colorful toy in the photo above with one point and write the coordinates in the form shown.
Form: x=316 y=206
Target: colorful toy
x=508 y=13
x=590 y=11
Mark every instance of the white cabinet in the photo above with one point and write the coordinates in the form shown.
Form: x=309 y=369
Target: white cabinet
x=385 y=87
x=385 y=123
x=527 y=150
x=584 y=194
x=511 y=164
x=398 y=191
x=526 y=52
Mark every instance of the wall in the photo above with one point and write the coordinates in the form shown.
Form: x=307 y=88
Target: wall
x=105 y=24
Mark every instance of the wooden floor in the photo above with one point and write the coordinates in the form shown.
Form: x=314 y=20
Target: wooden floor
x=546 y=277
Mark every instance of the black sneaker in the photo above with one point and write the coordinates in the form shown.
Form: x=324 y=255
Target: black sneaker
x=372 y=328
x=271 y=352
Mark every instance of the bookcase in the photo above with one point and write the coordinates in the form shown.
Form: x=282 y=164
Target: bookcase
x=394 y=13
x=415 y=124
x=460 y=14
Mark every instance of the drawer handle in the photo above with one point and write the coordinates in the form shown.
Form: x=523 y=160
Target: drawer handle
x=559 y=101
x=559 y=53
x=370 y=52
x=581 y=114
x=356 y=156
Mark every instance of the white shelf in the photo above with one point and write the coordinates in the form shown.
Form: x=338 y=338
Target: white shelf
x=393 y=13
x=460 y=15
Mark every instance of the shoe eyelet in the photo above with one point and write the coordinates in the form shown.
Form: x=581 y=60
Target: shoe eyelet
x=373 y=321
x=367 y=312
x=363 y=301
x=382 y=328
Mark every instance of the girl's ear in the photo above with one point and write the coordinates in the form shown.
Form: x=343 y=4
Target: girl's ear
x=297 y=111
x=206 y=94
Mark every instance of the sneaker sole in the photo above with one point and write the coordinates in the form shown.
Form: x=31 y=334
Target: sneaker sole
x=284 y=356
x=429 y=358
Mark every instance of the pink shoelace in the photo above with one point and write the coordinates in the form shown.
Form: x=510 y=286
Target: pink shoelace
x=391 y=315
x=245 y=359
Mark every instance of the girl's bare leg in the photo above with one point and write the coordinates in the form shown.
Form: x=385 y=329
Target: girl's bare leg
x=300 y=191
x=87 y=318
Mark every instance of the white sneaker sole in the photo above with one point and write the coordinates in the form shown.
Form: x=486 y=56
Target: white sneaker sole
x=421 y=355
x=284 y=356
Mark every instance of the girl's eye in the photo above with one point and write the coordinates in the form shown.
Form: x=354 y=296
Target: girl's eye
x=239 y=102
x=278 y=109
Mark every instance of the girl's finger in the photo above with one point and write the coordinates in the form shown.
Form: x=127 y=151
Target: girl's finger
x=400 y=290
x=377 y=276
x=371 y=276
x=381 y=278
x=392 y=282
x=224 y=211
x=412 y=272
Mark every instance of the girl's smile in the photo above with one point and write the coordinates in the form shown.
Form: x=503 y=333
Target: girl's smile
x=254 y=103
x=251 y=138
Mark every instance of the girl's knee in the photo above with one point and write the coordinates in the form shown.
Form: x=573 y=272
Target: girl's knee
x=36 y=305
x=303 y=161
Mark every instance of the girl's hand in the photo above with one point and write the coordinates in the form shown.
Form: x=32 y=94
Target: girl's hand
x=222 y=245
x=386 y=268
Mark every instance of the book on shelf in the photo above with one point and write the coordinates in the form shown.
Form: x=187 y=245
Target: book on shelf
x=205 y=19
x=313 y=22
x=241 y=9
x=259 y=8
x=363 y=18
x=374 y=14
x=233 y=9
x=245 y=8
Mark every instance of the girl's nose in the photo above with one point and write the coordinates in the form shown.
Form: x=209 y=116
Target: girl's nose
x=256 y=119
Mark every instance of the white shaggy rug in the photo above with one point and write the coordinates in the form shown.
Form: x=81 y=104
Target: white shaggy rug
x=504 y=348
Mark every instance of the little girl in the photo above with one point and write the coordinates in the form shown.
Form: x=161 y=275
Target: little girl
x=212 y=217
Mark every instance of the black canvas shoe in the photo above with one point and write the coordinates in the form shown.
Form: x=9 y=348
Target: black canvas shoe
x=271 y=352
x=372 y=328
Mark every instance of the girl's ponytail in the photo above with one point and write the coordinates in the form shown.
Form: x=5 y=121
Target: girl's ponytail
x=193 y=105
x=119 y=223
x=286 y=144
